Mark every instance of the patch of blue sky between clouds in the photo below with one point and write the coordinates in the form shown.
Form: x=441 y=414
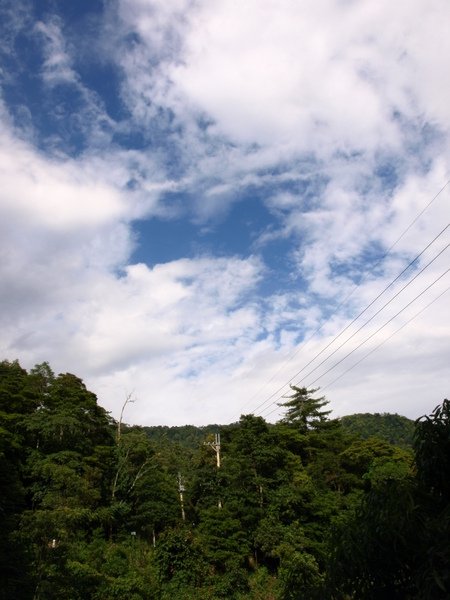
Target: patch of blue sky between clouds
x=166 y=145
x=47 y=97
x=249 y=225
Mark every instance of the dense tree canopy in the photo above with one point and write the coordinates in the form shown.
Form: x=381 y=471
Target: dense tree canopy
x=303 y=509
x=304 y=411
x=395 y=429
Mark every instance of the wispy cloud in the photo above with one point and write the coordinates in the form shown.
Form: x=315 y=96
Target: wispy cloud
x=333 y=117
x=57 y=65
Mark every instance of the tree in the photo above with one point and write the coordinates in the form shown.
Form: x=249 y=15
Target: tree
x=17 y=401
x=144 y=496
x=305 y=412
x=393 y=428
x=432 y=447
x=70 y=445
x=373 y=547
x=395 y=544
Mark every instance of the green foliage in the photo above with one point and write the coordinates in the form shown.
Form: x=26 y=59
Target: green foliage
x=186 y=436
x=144 y=494
x=363 y=454
x=16 y=399
x=373 y=547
x=261 y=586
x=305 y=412
x=179 y=558
x=300 y=578
x=297 y=510
x=432 y=446
x=395 y=543
x=393 y=429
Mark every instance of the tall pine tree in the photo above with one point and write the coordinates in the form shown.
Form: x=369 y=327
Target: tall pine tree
x=304 y=411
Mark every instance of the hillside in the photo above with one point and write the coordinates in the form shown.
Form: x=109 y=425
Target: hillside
x=393 y=428
x=187 y=436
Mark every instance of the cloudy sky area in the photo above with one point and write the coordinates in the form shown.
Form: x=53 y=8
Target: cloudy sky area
x=197 y=197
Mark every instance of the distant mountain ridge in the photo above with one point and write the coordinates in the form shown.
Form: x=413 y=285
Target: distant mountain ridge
x=188 y=436
x=393 y=428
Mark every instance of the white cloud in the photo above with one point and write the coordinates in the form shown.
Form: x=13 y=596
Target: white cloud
x=176 y=323
x=270 y=91
x=60 y=195
x=57 y=66
x=69 y=295
x=277 y=97
x=271 y=73
x=285 y=73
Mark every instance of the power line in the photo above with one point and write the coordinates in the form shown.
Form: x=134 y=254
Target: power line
x=419 y=215
x=374 y=315
x=373 y=334
x=345 y=300
x=384 y=341
x=361 y=313
x=380 y=328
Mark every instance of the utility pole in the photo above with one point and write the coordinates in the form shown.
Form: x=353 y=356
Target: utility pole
x=181 y=490
x=216 y=447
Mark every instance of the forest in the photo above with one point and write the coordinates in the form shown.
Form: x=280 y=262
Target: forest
x=310 y=507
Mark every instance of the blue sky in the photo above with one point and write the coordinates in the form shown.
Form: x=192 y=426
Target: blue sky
x=196 y=198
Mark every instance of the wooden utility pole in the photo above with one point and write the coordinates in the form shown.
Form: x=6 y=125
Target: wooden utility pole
x=181 y=490
x=216 y=447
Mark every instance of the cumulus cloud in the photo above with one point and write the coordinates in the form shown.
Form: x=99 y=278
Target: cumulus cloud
x=62 y=193
x=284 y=73
x=70 y=296
x=333 y=115
x=278 y=92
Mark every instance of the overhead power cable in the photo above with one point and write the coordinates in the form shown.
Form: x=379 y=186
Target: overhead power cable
x=380 y=328
x=328 y=385
x=344 y=301
x=260 y=406
x=418 y=217
x=370 y=336
x=373 y=316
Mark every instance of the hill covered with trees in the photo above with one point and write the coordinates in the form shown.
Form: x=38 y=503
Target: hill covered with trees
x=395 y=429
x=187 y=436
x=392 y=428
x=303 y=509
